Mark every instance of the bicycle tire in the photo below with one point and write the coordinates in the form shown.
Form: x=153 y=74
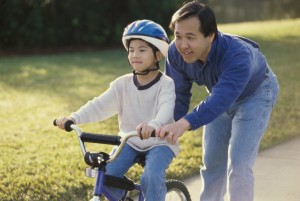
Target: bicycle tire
x=177 y=191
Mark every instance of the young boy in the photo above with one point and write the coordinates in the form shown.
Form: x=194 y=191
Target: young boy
x=144 y=101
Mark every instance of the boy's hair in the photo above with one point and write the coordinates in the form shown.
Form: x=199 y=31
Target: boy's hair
x=153 y=47
x=203 y=12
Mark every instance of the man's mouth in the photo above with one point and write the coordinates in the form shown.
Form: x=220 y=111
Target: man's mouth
x=186 y=53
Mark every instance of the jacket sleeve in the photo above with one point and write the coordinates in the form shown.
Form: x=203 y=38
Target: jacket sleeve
x=235 y=75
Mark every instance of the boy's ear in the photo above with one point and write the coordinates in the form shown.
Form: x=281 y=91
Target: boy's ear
x=159 y=55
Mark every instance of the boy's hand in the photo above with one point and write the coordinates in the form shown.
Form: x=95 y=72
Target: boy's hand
x=61 y=122
x=144 y=131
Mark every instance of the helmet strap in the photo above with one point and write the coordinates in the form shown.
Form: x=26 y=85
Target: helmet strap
x=147 y=71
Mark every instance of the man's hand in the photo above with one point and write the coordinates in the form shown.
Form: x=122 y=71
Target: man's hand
x=173 y=131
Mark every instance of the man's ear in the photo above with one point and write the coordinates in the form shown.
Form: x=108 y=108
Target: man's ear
x=159 y=55
x=211 y=37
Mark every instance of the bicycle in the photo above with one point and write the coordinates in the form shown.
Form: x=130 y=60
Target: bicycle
x=176 y=190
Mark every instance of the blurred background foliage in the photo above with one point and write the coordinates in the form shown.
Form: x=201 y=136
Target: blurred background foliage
x=40 y=24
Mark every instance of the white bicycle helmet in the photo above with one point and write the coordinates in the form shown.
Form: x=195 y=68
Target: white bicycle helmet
x=149 y=31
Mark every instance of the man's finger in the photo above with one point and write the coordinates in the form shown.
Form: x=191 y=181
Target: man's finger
x=162 y=134
x=157 y=131
x=169 y=137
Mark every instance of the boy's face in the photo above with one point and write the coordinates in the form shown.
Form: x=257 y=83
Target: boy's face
x=190 y=42
x=140 y=55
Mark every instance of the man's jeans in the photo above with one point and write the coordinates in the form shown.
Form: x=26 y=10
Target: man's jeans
x=153 y=178
x=231 y=143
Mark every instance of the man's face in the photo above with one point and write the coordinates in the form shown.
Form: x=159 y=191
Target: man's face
x=190 y=42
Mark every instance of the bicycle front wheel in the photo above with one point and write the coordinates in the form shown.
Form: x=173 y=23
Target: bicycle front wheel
x=177 y=191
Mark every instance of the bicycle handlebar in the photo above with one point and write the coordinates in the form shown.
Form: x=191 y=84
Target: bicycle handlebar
x=102 y=139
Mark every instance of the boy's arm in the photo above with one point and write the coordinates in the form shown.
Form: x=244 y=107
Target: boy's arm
x=98 y=109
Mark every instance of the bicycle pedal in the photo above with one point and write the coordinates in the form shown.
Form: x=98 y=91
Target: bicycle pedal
x=92 y=173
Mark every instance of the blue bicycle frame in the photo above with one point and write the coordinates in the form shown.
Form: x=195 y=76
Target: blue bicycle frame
x=98 y=162
x=99 y=188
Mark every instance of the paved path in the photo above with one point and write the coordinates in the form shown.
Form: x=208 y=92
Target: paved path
x=277 y=174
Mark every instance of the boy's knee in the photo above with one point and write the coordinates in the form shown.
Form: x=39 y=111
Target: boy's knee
x=153 y=177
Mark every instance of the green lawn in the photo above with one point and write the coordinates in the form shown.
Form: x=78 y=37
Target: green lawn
x=40 y=162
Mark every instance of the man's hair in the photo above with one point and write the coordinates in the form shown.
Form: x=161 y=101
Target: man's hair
x=203 y=12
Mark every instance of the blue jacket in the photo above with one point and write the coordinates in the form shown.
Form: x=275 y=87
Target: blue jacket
x=234 y=69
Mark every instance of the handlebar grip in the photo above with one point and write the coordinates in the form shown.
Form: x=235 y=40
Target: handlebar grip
x=100 y=138
x=67 y=125
x=152 y=135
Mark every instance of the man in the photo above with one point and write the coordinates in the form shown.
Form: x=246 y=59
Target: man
x=242 y=93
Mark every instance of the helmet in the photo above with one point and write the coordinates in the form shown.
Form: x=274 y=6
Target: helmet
x=149 y=31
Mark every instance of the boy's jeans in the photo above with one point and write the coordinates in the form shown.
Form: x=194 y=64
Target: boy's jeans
x=153 y=178
x=231 y=143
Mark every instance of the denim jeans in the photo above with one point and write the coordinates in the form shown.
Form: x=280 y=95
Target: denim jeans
x=231 y=143
x=153 y=178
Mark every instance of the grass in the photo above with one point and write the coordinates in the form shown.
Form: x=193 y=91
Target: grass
x=40 y=162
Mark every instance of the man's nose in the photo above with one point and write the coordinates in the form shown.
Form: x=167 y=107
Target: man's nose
x=184 y=44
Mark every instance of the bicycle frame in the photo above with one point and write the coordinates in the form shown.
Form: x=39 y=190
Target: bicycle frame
x=100 y=171
x=100 y=190
x=98 y=162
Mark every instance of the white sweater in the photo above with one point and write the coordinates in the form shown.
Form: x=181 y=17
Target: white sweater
x=152 y=104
